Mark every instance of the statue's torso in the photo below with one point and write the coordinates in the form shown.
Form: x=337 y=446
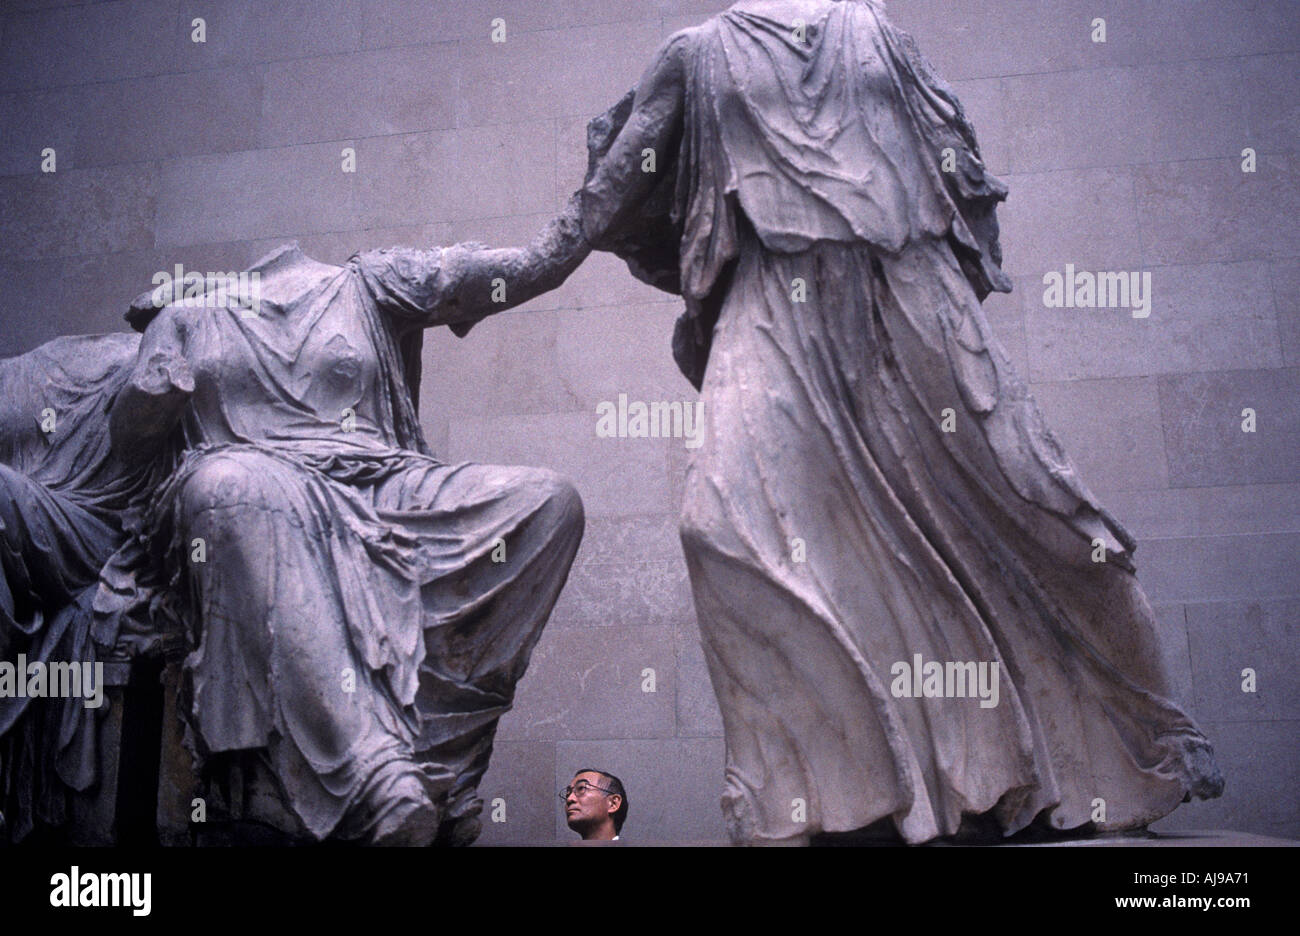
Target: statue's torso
x=303 y=370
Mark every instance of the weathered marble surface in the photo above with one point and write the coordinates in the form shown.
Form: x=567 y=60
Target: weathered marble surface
x=355 y=612
x=64 y=497
x=876 y=483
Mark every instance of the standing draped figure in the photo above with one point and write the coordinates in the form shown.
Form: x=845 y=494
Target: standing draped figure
x=877 y=487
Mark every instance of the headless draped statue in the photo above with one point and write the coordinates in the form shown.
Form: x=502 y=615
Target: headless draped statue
x=354 y=613
x=912 y=609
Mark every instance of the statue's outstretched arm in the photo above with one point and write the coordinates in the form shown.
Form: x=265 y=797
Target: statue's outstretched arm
x=619 y=182
x=482 y=280
x=459 y=285
x=155 y=395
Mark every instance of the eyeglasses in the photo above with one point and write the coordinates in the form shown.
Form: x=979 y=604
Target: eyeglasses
x=580 y=788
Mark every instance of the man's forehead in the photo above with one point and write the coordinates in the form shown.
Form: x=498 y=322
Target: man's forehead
x=591 y=776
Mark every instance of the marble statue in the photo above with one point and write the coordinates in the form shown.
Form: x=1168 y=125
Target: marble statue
x=64 y=499
x=913 y=610
x=354 y=610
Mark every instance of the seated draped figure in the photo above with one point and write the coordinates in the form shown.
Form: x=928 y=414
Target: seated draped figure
x=355 y=613
x=65 y=499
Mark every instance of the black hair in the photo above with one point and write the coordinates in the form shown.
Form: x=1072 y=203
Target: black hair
x=615 y=788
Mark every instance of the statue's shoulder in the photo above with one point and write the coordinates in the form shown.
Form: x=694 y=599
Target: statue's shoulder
x=288 y=258
x=681 y=43
x=287 y=274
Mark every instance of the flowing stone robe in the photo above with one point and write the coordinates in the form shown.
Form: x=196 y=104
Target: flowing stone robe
x=833 y=274
x=357 y=609
x=65 y=500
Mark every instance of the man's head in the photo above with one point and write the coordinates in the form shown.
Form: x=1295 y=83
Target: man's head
x=595 y=804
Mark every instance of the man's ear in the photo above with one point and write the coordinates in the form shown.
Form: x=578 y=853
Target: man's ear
x=615 y=803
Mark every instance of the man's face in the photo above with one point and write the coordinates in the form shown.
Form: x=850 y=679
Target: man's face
x=586 y=806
